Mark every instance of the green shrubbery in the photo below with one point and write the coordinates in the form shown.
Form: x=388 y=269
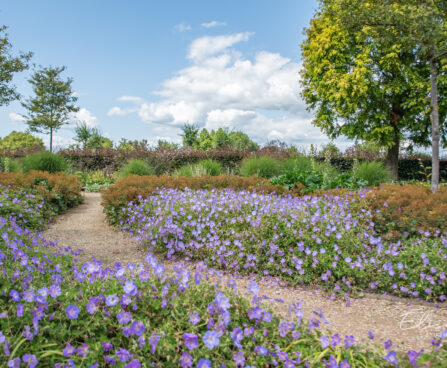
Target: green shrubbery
x=263 y=166
x=136 y=167
x=44 y=161
x=204 y=167
x=372 y=172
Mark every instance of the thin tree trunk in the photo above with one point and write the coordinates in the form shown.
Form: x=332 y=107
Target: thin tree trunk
x=51 y=139
x=392 y=156
x=434 y=125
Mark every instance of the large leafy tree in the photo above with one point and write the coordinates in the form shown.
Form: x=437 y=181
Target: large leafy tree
x=52 y=104
x=420 y=27
x=9 y=65
x=20 y=140
x=360 y=85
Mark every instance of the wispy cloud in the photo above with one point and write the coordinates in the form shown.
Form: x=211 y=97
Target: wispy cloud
x=213 y=23
x=182 y=27
x=16 y=117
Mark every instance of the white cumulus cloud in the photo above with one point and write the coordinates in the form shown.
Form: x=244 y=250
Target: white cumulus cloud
x=85 y=116
x=223 y=88
x=213 y=23
x=208 y=45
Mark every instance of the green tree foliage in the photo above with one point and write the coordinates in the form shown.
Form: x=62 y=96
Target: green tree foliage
x=83 y=133
x=241 y=141
x=165 y=145
x=52 y=104
x=362 y=86
x=130 y=145
x=9 y=65
x=221 y=137
x=420 y=28
x=20 y=140
x=189 y=134
x=97 y=141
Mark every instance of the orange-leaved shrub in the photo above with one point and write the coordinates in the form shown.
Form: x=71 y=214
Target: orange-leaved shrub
x=132 y=187
x=59 y=189
x=408 y=209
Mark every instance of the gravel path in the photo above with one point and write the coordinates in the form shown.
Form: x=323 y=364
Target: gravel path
x=408 y=324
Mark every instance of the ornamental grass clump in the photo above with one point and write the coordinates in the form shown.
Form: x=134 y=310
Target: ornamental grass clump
x=263 y=166
x=327 y=241
x=57 y=312
x=44 y=161
x=136 y=167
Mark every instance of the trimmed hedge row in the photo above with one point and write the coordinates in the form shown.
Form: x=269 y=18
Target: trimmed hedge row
x=163 y=161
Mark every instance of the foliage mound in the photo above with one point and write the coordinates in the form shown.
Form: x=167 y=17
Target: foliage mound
x=59 y=190
x=44 y=161
x=136 y=167
x=372 y=172
x=263 y=166
x=56 y=312
x=408 y=209
x=16 y=141
x=204 y=167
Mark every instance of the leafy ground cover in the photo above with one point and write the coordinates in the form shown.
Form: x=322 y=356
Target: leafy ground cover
x=56 y=312
x=328 y=240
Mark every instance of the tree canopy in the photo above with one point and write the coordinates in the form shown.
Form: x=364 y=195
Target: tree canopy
x=9 y=65
x=52 y=104
x=20 y=140
x=363 y=86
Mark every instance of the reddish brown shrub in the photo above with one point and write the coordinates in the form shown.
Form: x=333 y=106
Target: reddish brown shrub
x=408 y=208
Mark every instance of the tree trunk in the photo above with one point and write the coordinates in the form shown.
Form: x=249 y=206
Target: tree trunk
x=51 y=139
x=392 y=157
x=434 y=125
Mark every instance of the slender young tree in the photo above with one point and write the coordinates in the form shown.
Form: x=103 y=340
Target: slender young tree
x=83 y=133
x=52 y=104
x=9 y=65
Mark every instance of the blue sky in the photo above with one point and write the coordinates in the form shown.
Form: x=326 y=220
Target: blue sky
x=142 y=69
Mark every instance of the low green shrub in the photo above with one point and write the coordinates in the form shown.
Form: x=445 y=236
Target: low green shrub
x=204 y=167
x=263 y=166
x=372 y=172
x=44 y=161
x=137 y=167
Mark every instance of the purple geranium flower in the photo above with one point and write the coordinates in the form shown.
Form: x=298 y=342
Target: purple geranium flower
x=186 y=360
x=68 y=350
x=211 y=339
x=111 y=300
x=72 y=311
x=137 y=328
x=204 y=363
x=191 y=341
x=123 y=355
x=30 y=359
x=194 y=318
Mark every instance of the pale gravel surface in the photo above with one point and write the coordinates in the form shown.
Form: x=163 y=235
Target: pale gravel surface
x=410 y=326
